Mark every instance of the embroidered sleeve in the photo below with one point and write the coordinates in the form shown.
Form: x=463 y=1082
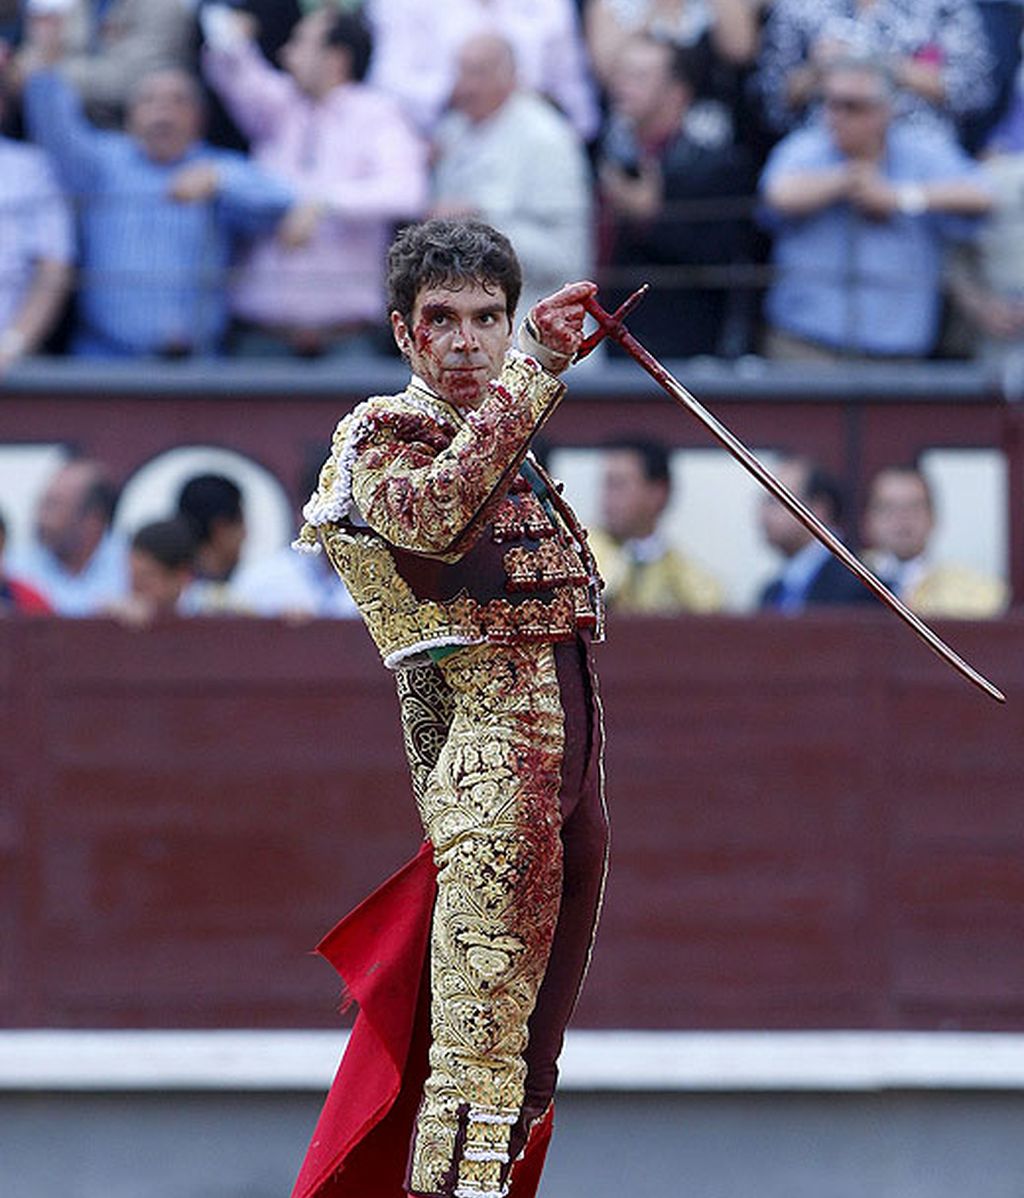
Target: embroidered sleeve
x=402 y=467
x=430 y=490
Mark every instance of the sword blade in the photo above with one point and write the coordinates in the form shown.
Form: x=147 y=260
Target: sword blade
x=612 y=327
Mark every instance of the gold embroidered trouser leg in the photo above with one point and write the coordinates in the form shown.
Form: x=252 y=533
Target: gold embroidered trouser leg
x=490 y=809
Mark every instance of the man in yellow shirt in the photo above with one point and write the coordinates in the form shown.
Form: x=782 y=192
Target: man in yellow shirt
x=643 y=572
x=898 y=524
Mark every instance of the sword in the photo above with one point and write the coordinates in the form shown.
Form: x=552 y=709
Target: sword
x=610 y=324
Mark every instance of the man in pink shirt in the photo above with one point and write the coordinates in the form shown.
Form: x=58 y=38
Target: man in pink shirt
x=316 y=286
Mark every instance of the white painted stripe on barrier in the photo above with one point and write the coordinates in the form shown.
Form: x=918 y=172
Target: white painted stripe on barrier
x=592 y=1061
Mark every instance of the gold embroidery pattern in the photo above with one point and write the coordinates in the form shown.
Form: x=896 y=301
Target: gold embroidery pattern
x=427 y=705
x=549 y=565
x=491 y=811
x=435 y=500
x=588 y=600
x=401 y=625
x=519 y=517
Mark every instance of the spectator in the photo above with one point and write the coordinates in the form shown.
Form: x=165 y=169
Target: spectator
x=109 y=46
x=295 y=586
x=35 y=249
x=810 y=575
x=898 y=525
x=987 y=274
x=317 y=286
x=1007 y=136
x=1003 y=22
x=161 y=211
x=643 y=573
x=417 y=45
x=160 y=564
x=862 y=208
x=935 y=51
x=10 y=25
x=17 y=597
x=76 y=560
x=727 y=28
x=211 y=507
x=676 y=205
x=488 y=150
x=270 y=24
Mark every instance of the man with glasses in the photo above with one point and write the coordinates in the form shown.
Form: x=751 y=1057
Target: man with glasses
x=861 y=207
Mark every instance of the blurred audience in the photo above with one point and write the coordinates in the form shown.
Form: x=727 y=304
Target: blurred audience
x=722 y=36
x=810 y=576
x=10 y=25
x=161 y=210
x=676 y=207
x=17 y=598
x=106 y=47
x=935 y=50
x=727 y=29
x=315 y=286
x=899 y=521
x=643 y=572
x=180 y=238
x=862 y=208
x=295 y=586
x=1003 y=22
x=986 y=275
x=160 y=559
x=36 y=249
x=76 y=560
x=271 y=25
x=418 y=44
x=211 y=507
x=489 y=148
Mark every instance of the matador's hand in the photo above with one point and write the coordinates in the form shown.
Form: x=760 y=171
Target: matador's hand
x=554 y=327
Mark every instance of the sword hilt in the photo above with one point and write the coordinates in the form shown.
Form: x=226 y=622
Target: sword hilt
x=609 y=324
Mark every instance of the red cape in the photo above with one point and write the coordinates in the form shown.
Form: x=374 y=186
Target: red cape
x=360 y=1147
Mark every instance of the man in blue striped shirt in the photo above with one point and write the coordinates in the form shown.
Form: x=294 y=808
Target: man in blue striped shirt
x=160 y=211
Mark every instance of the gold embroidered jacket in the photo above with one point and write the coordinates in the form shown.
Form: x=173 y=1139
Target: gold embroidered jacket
x=443 y=531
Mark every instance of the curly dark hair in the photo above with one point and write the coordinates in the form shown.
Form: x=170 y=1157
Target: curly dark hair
x=443 y=252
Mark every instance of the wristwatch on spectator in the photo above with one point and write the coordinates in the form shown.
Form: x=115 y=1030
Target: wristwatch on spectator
x=911 y=199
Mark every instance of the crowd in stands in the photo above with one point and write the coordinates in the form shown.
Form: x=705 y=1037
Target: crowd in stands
x=190 y=561
x=645 y=573
x=809 y=180
x=819 y=179
x=187 y=563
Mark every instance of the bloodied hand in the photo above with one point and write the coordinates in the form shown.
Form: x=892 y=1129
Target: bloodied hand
x=557 y=321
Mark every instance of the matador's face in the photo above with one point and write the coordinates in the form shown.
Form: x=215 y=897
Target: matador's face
x=459 y=337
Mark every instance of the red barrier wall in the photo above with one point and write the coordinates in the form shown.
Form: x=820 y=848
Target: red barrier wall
x=815 y=823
